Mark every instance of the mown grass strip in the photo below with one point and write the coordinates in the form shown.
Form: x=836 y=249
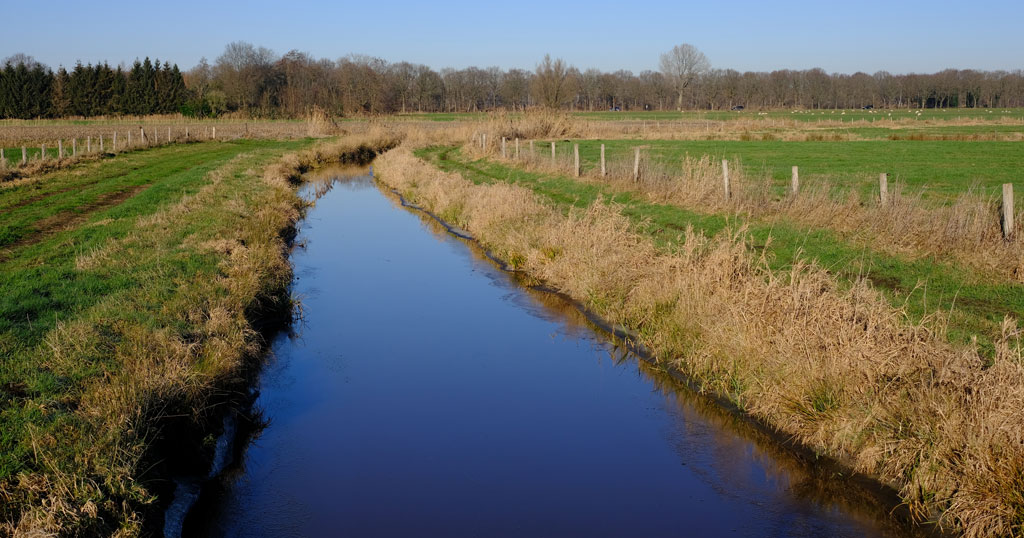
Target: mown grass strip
x=976 y=306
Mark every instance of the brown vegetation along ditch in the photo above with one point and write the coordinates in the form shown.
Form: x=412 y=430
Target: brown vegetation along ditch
x=836 y=368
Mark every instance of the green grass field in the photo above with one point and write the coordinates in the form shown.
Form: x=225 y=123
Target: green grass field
x=942 y=169
x=13 y=155
x=923 y=285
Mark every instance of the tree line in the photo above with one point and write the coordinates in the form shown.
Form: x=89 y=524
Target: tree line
x=29 y=89
x=255 y=81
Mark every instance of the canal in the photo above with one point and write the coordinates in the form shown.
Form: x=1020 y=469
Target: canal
x=424 y=392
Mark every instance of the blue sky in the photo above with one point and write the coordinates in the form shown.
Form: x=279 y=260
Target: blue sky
x=906 y=36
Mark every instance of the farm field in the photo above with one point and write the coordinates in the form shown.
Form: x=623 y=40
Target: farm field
x=1014 y=115
x=32 y=133
x=848 y=115
x=941 y=170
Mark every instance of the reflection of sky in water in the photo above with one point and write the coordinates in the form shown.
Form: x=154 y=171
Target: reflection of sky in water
x=425 y=393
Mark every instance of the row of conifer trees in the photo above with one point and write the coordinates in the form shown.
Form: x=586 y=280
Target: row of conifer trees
x=30 y=90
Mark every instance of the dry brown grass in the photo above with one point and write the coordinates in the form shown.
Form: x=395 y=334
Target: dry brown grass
x=16 y=133
x=967 y=230
x=838 y=369
x=320 y=123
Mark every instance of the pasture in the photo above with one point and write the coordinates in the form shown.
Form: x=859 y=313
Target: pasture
x=942 y=170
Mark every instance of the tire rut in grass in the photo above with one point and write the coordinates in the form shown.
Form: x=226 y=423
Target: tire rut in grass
x=67 y=220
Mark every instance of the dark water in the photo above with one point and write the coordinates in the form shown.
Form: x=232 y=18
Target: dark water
x=425 y=393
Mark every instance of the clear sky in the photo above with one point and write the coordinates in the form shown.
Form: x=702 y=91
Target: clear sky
x=897 y=36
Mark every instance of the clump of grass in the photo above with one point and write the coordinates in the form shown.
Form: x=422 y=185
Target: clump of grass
x=322 y=124
x=533 y=123
x=836 y=367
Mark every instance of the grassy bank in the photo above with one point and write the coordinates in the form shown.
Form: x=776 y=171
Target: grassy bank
x=133 y=289
x=833 y=365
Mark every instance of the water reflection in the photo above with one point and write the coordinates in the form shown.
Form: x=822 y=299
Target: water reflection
x=428 y=393
x=740 y=445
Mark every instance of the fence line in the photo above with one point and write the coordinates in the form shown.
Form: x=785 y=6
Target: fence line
x=572 y=162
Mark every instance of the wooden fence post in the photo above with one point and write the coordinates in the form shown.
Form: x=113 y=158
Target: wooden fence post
x=24 y=155
x=168 y=134
x=483 y=143
x=531 y=149
x=517 y=148
x=142 y=136
x=796 y=179
x=215 y=132
x=1008 y=211
x=129 y=138
x=636 y=165
x=186 y=133
x=74 y=147
x=42 y=152
x=88 y=144
x=552 y=152
x=604 y=170
x=504 y=153
x=60 y=149
x=883 y=188
x=576 y=160
x=725 y=178
x=101 y=143
x=113 y=145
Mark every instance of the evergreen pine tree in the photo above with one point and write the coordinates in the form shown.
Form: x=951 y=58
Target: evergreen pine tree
x=61 y=105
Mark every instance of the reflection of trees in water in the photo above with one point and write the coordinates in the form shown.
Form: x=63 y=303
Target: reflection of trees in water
x=322 y=180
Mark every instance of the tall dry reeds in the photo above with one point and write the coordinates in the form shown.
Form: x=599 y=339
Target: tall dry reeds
x=322 y=124
x=836 y=368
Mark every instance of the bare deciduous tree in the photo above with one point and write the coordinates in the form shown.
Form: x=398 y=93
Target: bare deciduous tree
x=682 y=66
x=554 y=84
x=20 y=58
